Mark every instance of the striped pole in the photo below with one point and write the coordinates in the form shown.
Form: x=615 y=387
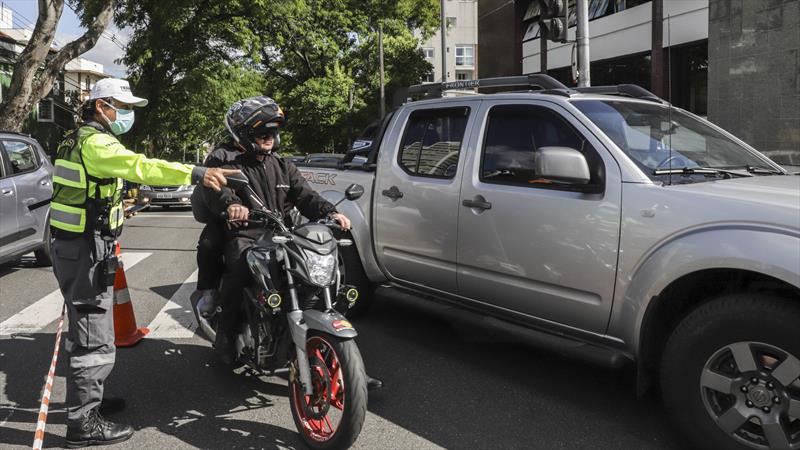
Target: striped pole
x=48 y=388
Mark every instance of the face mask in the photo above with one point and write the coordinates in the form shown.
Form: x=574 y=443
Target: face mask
x=124 y=121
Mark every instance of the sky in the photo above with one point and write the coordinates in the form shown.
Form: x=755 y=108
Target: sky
x=105 y=52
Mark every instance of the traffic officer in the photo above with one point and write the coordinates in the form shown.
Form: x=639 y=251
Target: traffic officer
x=86 y=217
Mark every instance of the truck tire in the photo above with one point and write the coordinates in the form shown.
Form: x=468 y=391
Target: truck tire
x=44 y=257
x=730 y=373
x=354 y=275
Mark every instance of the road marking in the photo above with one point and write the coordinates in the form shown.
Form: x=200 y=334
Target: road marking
x=176 y=319
x=48 y=309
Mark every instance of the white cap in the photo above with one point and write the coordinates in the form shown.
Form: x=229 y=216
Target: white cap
x=118 y=89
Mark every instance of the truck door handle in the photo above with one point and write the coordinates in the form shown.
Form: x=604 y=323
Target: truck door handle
x=393 y=193
x=479 y=203
x=7 y=191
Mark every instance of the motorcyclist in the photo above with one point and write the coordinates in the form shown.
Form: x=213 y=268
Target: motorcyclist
x=254 y=125
x=211 y=243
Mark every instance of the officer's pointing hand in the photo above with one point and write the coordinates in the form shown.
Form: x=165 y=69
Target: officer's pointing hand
x=215 y=177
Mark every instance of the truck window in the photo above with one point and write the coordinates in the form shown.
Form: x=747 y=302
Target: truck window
x=432 y=142
x=513 y=135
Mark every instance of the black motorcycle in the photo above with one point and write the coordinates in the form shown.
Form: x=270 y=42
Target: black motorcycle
x=292 y=322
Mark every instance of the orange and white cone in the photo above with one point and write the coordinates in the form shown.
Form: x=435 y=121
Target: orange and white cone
x=125 y=330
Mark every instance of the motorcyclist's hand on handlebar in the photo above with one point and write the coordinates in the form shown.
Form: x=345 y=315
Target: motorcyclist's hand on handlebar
x=237 y=212
x=215 y=177
x=342 y=220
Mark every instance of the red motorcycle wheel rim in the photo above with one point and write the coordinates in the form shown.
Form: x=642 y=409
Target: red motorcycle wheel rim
x=333 y=396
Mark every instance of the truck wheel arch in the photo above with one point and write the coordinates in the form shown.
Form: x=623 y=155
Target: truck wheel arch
x=666 y=310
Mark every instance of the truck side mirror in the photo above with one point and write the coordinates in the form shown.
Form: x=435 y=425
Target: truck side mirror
x=561 y=164
x=354 y=192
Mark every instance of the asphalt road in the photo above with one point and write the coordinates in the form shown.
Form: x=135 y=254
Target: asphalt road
x=446 y=386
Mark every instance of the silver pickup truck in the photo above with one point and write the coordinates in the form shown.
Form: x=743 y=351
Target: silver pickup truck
x=606 y=224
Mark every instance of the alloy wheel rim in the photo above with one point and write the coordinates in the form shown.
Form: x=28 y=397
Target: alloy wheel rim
x=321 y=413
x=752 y=392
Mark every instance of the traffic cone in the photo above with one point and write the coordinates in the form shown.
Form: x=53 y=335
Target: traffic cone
x=125 y=330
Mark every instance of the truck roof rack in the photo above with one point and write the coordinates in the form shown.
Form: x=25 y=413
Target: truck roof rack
x=538 y=81
x=623 y=90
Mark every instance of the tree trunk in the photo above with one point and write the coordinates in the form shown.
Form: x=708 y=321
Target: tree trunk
x=27 y=89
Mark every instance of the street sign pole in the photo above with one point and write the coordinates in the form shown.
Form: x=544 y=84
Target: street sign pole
x=443 y=25
x=380 y=56
x=582 y=36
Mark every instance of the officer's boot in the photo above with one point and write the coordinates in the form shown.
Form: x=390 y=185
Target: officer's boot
x=95 y=430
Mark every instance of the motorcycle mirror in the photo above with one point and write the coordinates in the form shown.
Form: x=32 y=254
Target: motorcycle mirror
x=354 y=192
x=237 y=181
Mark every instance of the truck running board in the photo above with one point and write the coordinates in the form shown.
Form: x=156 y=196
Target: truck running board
x=499 y=330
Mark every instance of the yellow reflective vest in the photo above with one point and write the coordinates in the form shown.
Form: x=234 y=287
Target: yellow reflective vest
x=87 y=180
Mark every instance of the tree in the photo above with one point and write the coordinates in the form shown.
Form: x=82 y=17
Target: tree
x=317 y=58
x=34 y=73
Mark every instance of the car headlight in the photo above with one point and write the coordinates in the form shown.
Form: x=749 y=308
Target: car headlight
x=320 y=268
x=145 y=187
x=186 y=187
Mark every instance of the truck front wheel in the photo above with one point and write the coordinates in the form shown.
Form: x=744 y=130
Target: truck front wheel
x=730 y=373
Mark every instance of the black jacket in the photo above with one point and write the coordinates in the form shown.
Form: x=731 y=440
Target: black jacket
x=277 y=182
x=223 y=154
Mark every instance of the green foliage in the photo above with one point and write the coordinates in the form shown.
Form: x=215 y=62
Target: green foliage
x=317 y=58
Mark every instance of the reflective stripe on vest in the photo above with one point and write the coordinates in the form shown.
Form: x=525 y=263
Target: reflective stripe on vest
x=67 y=217
x=117 y=215
x=69 y=174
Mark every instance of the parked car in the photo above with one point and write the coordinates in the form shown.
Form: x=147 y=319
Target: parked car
x=603 y=223
x=25 y=192
x=165 y=196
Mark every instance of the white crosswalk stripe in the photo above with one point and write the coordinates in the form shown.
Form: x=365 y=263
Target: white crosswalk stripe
x=48 y=309
x=176 y=319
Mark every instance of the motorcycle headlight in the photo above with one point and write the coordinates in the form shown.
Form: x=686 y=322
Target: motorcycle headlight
x=321 y=268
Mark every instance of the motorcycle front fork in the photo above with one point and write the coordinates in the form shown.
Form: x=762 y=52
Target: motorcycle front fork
x=299 y=330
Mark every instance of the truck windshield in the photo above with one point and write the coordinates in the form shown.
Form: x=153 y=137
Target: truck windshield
x=661 y=142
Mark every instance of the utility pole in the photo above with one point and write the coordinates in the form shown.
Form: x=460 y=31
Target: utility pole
x=582 y=36
x=542 y=48
x=657 y=49
x=443 y=26
x=380 y=56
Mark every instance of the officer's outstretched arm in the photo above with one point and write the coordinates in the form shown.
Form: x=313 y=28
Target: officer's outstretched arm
x=106 y=157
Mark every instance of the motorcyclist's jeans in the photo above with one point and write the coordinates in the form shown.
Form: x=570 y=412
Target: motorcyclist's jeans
x=210 y=248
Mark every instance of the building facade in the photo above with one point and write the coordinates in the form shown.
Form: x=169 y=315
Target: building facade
x=716 y=57
x=462 y=43
x=754 y=74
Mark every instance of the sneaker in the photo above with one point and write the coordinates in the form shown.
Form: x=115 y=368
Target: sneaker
x=205 y=304
x=95 y=430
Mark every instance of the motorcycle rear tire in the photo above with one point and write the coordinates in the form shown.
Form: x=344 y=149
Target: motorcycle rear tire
x=355 y=400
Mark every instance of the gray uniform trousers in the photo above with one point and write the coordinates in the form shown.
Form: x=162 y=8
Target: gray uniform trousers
x=77 y=264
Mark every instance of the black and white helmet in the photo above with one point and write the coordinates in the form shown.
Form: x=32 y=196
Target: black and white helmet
x=252 y=117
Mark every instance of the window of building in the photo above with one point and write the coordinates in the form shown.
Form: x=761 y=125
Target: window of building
x=46 y=110
x=428 y=78
x=428 y=52
x=88 y=83
x=465 y=55
x=21 y=156
x=451 y=22
x=513 y=136
x=463 y=75
x=432 y=142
